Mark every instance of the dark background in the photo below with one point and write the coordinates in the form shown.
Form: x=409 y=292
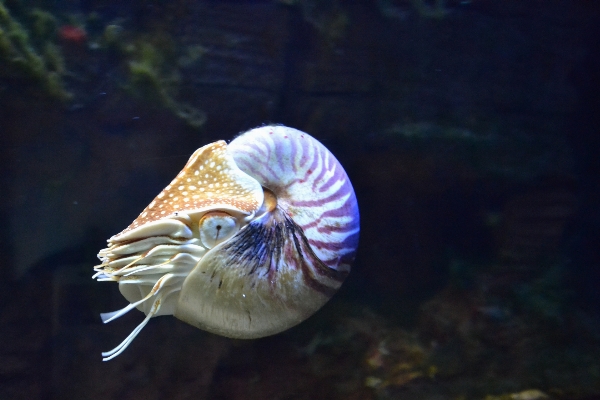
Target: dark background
x=468 y=128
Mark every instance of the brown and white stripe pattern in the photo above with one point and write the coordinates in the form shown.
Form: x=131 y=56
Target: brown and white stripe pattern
x=310 y=184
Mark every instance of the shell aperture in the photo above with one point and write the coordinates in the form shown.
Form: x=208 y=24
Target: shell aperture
x=248 y=240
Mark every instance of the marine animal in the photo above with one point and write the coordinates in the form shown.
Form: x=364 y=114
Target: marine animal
x=248 y=240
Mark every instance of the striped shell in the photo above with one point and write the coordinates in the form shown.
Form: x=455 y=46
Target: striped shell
x=248 y=240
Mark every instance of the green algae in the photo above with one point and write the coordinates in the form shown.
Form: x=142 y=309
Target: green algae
x=29 y=49
x=436 y=10
x=24 y=59
x=152 y=77
x=44 y=24
x=153 y=68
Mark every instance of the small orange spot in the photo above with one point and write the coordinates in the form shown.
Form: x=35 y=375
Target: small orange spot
x=72 y=34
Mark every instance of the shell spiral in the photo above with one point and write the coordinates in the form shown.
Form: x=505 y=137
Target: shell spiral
x=248 y=240
x=310 y=185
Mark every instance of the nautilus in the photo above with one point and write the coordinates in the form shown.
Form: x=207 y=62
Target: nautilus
x=249 y=239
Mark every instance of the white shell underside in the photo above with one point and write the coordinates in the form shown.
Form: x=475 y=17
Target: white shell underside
x=297 y=231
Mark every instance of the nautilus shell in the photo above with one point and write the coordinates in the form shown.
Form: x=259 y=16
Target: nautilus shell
x=248 y=240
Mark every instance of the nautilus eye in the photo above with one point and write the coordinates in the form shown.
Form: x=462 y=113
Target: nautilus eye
x=248 y=240
x=215 y=227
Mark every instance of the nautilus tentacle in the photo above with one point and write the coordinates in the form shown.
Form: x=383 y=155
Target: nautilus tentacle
x=248 y=240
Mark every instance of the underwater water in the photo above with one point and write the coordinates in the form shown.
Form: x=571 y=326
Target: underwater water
x=469 y=131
